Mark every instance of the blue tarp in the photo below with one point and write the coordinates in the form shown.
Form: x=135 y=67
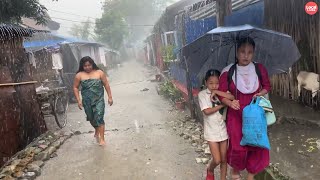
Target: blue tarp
x=52 y=41
x=48 y=43
x=252 y=14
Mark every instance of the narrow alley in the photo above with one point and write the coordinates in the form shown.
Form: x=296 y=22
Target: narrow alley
x=140 y=142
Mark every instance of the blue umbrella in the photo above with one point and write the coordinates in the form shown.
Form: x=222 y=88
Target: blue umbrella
x=216 y=49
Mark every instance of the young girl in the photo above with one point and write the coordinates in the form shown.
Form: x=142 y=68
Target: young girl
x=215 y=131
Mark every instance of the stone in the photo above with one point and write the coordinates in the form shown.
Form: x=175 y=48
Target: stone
x=200 y=141
x=34 y=168
x=53 y=155
x=68 y=134
x=199 y=150
x=193 y=120
x=2 y=176
x=198 y=160
x=47 y=143
x=18 y=174
x=51 y=150
x=27 y=159
x=38 y=163
x=205 y=160
x=185 y=136
x=318 y=144
x=194 y=144
x=16 y=162
x=30 y=150
x=41 y=141
x=37 y=151
x=8 y=169
x=181 y=134
x=207 y=151
x=56 y=144
x=77 y=133
x=8 y=178
x=56 y=134
x=30 y=174
x=195 y=137
x=61 y=140
x=43 y=156
x=42 y=146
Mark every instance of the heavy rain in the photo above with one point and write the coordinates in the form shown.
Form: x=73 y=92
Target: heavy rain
x=159 y=89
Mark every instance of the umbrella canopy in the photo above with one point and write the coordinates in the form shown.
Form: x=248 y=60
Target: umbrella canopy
x=216 y=49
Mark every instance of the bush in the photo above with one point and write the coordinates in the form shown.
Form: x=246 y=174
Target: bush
x=168 y=90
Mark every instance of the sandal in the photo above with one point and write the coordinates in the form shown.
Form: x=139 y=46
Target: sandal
x=210 y=175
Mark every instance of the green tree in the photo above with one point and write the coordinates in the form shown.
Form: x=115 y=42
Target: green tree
x=82 y=30
x=111 y=29
x=137 y=12
x=11 y=11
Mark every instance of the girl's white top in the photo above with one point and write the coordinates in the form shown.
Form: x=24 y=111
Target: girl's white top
x=214 y=126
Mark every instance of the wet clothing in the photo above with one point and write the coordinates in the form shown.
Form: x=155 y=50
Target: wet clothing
x=92 y=92
x=254 y=159
x=214 y=125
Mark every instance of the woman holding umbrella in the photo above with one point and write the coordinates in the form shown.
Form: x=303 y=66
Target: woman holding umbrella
x=244 y=85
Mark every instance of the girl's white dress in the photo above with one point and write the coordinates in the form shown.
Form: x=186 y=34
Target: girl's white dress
x=214 y=126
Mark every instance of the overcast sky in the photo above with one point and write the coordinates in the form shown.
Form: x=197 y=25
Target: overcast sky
x=64 y=8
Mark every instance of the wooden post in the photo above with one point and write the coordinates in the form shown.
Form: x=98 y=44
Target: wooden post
x=189 y=88
x=223 y=8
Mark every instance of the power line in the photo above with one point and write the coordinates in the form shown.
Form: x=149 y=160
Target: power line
x=139 y=25
x=71 y=14
x=63 y=12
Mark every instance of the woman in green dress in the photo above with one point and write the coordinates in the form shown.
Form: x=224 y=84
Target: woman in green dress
x=92 y=82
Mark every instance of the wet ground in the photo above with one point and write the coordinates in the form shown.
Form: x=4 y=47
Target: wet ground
x=141 y=144
x=295 y=150
x=295 y=140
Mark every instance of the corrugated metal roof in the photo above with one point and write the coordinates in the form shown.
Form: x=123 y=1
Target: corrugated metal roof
x=8 y=31
x=178 y=6
x=207 y=8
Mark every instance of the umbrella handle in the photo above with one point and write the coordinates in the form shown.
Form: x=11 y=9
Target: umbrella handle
x=235 y=69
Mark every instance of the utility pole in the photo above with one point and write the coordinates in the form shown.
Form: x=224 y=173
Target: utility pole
x=223 y=8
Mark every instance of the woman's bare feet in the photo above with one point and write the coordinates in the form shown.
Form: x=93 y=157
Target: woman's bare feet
x=97 y=138
x=96 y=135
x=102 y=143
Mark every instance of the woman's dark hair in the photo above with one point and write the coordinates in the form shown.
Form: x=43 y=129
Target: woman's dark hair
x=246 y=40
x=84 y=60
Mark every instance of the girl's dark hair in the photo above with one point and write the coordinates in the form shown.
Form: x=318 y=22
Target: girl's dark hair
x=246 y=40
x=212 y=72
x=84 y=60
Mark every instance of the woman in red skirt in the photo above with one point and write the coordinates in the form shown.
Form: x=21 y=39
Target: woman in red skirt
x=253 y=159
